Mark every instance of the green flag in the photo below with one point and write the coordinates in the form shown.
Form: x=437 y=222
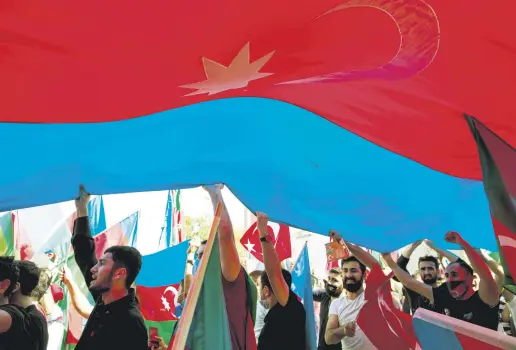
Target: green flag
x=6 y=235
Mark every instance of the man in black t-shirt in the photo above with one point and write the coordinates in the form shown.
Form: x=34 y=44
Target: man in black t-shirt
x=11 y=325
x=285 y=322
x=333 y=289
x=428 y=267
x=459 y=300
x=35 y=324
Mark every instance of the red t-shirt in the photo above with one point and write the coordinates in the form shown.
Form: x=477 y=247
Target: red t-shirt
x=241 y=325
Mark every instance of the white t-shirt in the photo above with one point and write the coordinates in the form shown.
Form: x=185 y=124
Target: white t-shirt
x=347 y=310
x=56 y=328
x=261 y=312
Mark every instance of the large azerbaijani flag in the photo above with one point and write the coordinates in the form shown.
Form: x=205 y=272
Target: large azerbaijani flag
x=360 y=103
x=157 y=287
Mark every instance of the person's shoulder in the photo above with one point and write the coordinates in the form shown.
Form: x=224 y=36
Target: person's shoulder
x=441 y=290
x=14 y=310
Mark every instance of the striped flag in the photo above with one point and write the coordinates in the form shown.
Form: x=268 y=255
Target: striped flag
x=171 y=232
x=7 y=247
x=436 y=331
x=498 y=161
x=302 y=286
x=157 y=288
x=204 y=322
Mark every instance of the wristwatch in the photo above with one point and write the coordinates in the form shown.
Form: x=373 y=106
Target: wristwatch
x=264 y=239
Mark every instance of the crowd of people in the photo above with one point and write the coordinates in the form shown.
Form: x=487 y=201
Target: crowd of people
x=469 y=291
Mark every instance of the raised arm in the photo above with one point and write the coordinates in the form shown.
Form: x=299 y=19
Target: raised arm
x=406 y=253
x=364 y=257
x=79 y=301
x=271 y=262
x=487 y=289
x=407 y=280
x=495 y=267
x=82 y=241
x=188 y=279
x=229 y=259
x=441 y=252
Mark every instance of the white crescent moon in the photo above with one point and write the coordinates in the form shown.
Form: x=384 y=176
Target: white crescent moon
x=275 y=229
x=171 y=289
x=419 y=30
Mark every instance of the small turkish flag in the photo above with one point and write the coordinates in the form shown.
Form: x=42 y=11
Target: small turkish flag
x=278 y=234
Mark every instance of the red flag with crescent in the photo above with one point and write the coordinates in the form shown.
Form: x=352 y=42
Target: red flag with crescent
x=279 y=234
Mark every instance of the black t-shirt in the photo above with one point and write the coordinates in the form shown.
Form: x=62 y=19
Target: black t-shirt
x=418 y=301
x=413 y=300
x=284 y=326
x=37 y=327
x=28 y=329
x=320 y=295
x=472 y=310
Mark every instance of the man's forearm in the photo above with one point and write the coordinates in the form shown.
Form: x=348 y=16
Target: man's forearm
x=364 y=257
x=408 y=250
x=229 y=259
x=477 y=262
x=335 y=335
x=79 y=301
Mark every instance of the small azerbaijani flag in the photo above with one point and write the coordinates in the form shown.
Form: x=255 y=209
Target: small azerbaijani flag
x=157 y=288
x=171 y=231
x=6 y=235
x=302 y=286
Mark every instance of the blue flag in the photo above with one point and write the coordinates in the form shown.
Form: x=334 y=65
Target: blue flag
x=302 y=286
x=97 y=215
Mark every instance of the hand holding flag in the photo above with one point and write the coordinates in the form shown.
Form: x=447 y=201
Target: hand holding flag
x=277 y=234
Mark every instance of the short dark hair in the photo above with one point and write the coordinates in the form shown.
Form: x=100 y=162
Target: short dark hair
x=9 y=271
x=336 y=271
x=255 y=274
x=464 y=265
x=204 y=242
x=429 y=258
x=264 y=278
x=45 y=279
x=351 y=259
x=29 y=276
x=129 y=258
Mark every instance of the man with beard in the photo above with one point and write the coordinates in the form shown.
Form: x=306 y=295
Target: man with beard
x=342 y=326
x=333 y=289
x=116 y=321
x=459 y=299
x=429 y=271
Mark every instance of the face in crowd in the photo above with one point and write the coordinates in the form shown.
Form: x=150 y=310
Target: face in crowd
x=459 y=280
x=353 y=274
x=335 y=284
x=428 y=269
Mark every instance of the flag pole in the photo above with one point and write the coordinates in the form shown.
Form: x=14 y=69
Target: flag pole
x=191 y=301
